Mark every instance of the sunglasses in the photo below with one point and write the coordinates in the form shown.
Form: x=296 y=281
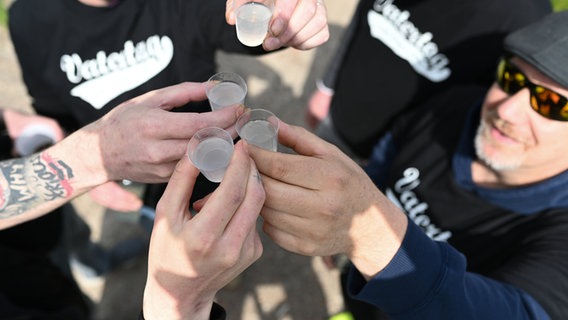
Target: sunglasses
x=544 y=101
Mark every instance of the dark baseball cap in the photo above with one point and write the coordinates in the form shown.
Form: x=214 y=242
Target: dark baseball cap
x=544 y=44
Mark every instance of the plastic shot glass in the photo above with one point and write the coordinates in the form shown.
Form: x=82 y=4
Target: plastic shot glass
x=225 y=89
x=252 y=20
x=259 y=127
x=210 y=150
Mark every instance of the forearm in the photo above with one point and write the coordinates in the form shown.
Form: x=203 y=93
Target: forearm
x=377 y=235
x=35 y=185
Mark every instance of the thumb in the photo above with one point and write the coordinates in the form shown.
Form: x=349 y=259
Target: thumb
x=301 y=140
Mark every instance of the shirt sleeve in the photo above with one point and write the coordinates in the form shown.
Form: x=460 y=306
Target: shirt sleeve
x=428 y=280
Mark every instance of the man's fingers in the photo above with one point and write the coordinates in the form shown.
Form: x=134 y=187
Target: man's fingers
x=283 y=11
x=227 y=199
x=282 y=237
x=224 y=118
x=182 y=125
x=302 y=141
x=284 y=196
x=304 y=11
x=173 y=96
x=175 y=200
x=301 y=24
x=290 y=169
x=294 y=169
x=243 y=221
x=313 y=35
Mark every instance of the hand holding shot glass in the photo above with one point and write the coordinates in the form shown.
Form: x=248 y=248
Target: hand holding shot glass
x=259 y=127
x=210 y=150
x=225 y=89
x=252 y=20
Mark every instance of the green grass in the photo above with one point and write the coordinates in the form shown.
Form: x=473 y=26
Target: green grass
x=3 y=14
x=559 y=5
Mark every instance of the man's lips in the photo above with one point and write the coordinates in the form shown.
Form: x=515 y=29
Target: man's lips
x=501 y=136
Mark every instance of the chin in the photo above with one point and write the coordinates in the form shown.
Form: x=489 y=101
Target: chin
x=495 y=157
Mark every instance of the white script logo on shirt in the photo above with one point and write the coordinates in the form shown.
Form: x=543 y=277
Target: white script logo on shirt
x=405 y=198
x=392 y=27
x=109 y=75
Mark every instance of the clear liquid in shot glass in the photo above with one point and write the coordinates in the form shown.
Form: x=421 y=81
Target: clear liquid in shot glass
x=252 y=23
x=260 y=133
x=226 y=94
x=212 y=156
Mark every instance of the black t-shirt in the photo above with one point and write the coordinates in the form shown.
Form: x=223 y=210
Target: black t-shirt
x=401 y=52
x=79 y=62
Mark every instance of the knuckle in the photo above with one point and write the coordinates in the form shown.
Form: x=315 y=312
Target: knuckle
x=153 y=157
x=259 y=193
x=312 y=8
x=230 y=258
x=197 y=121
x=203 y=245
x=338 y=179
x=164 y=172
x=236 y=196
x=280 y=169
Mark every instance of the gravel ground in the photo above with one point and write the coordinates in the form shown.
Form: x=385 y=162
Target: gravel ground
x=281 y=285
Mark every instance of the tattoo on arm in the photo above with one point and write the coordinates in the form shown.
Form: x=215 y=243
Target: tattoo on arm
x=31 y=181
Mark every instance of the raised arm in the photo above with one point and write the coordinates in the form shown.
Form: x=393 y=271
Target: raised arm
x=139 y=140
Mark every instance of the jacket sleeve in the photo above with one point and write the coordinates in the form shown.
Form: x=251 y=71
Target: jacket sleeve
x=428 y=280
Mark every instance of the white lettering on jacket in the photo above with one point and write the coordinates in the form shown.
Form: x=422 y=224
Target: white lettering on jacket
x=392 y=26
x=107 y=76
x=405 y=198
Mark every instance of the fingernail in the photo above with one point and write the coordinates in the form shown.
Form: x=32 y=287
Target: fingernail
x=277 y=27
x=271 y=44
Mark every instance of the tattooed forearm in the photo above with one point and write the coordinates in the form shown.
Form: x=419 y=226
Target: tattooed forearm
x=28 y=182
